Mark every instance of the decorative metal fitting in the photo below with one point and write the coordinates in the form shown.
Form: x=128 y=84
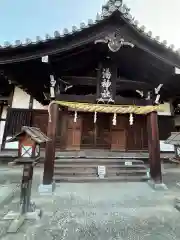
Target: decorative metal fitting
x=114 y=44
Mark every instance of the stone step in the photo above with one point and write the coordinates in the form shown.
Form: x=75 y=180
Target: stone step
x=85 y=169
x=101 y=157
x=101 y=160
x=95 y=165
x=94 y=170
x=96 y=179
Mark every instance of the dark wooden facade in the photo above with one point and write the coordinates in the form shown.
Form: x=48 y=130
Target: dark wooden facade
x=77 y=61
x=84 y=134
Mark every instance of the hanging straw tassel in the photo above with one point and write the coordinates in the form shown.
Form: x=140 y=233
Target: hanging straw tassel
x=131 y=119
x=75 y=116
x=114 y=121
x=95 y=117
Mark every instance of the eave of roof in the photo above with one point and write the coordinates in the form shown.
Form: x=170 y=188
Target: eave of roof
x=107 y=10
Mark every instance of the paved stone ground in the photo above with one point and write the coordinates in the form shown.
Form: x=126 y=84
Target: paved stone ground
x=98 y=211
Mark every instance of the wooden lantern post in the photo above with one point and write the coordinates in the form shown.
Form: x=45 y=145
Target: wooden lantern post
x=29 y=140
x=30 y=150
x=154 y=147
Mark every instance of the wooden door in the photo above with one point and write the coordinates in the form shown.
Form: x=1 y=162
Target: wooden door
x=144 y=133
x=137 y=134
x=95 y=135
x=119 y=134
x=88 y=131
x=40 y=120
x=103 y=128
x=73 y=132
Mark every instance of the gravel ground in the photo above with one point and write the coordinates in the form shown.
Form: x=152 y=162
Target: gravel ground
x=107 y=211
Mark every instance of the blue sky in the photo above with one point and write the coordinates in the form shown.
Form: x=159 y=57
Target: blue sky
x=20 y=19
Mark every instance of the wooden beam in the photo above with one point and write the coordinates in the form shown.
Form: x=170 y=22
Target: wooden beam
x=154 y=147
x=5 y=98
x=98 y=80
x=92 y=99
x=76 y=98
x=132 y=84
x=118 y=82
x=114 y=79
x=50 y=146
x=78 y=80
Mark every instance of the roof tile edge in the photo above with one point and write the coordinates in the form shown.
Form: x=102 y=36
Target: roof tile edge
x=107 y=10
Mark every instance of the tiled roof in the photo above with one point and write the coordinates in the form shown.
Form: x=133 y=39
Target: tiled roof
x=34 y=133
x=107 y=10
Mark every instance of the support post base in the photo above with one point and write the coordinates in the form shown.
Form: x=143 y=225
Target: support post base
x=177 y=204
x=178 y=184
x=18 y=219
x=47 y=189
x=157 y=186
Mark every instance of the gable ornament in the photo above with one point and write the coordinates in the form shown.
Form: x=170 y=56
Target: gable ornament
x=114 y=43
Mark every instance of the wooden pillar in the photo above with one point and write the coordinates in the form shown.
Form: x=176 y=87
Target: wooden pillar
x=51 y=146
x=154 y=147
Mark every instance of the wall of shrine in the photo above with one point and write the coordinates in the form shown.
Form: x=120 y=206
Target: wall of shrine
x=2 y=123
x=167 y=109
x=20 y=100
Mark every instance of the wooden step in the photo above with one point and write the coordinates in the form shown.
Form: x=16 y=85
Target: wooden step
x=96 y=179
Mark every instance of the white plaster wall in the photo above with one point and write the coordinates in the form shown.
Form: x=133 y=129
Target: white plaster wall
x=20 y=99
x=4 y=112
x=166 y=109
x=2 y=123
x=37 y=105
x=2 y=126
